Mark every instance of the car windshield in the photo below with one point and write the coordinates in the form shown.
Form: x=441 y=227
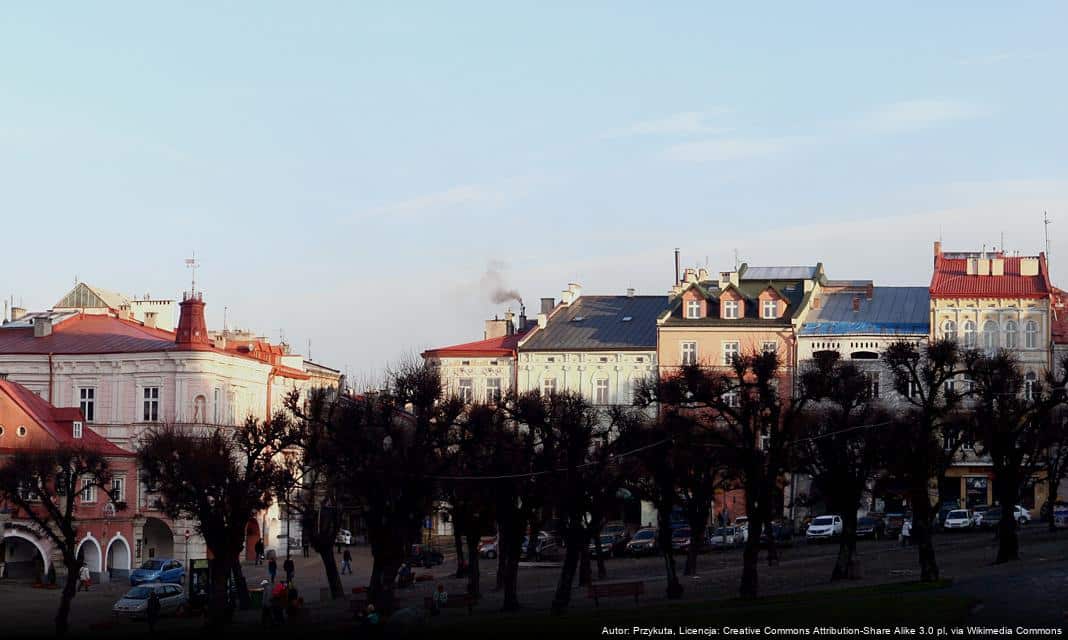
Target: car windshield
x=645 y=534
x=958 y=514
x=138 y=593
x=823 y=521
x=612 y=529
x=152 y=565
x=725 y=531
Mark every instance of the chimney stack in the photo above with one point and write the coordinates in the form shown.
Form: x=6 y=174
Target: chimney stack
x=42 y=326
x=856 y=304
x=630 y=292
x=547 y=305
x=677 y=281
x=17 y=313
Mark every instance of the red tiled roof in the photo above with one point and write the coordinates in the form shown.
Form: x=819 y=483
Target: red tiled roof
x=502 y=346
x=1059 y=316
x=57 y=421
x=951 y=280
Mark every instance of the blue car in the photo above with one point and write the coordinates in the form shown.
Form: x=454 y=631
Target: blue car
x=165 y=570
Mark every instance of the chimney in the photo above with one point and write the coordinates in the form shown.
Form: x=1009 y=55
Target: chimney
x=870 y=290
x=42 y=327
x=816 y=302
x=630 y=292
x=982 y=266
x=937 y=248
x=547 y=305
x=543 y=320
x=497 y=328
x=509 y=322
x=192 y=331
x=17 y=313
x=677 y=281
x=856 y=304
x=522 y=318
x=973 y=266
x=150 y=319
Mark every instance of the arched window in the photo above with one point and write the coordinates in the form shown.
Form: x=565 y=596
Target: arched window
x=1031 y=334
x=199 y=404
x=969 y=334
x=990 y=336
x=949 y=330
x=1012 y=339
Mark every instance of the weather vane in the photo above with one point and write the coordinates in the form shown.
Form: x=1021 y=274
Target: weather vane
x=191 y=263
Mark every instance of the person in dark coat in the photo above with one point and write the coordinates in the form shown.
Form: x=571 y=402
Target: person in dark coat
x=288 y=567
x=259 y=551
x=272 y=569
x=346 y=562
x=152 y=610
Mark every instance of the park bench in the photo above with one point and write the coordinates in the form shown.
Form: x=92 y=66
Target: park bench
x=467 y=600
x=615 y=589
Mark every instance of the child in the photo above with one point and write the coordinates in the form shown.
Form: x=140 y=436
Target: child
x=440 y=598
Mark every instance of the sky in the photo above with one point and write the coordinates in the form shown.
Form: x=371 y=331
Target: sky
x=361 y=175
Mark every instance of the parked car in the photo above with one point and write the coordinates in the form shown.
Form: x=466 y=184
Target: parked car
x=990 y=518
x=725 y=538
x=742 y=524
x=642 y=543
x=607 y=541
x=165 y=570
x=487 y=548
x=1060 y=515
x=892 y=524
x=1022 y=515
x=618 y=532
x=423 y=556
x=680 y=539
x=134 y=604
x=947 y=506
x=958 y=519
x=872 y=528
x=344 y=536
x=825 y=528
x=544 y=545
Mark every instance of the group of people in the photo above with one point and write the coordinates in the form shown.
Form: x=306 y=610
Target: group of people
x=281 y=602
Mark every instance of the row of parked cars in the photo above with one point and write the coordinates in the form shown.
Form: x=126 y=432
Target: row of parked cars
x=982 y=517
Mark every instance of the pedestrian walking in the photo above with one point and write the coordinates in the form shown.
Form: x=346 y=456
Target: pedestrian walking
x=272 y=569
x=84 y=578
x=259 y=551
x=265 y=603
x=288 y=567
x=152 y=610
x=346 y=563
x=906 y=532
x=304 y=545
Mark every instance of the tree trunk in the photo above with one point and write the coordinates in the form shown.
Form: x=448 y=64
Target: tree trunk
x=70 y=588
x=585 y=570
x=472 y=562
x=922 y=517
x=1008 y=491
x=575 y=535
x=512 y=539
x=773 y=550
x=602 y=572
x=388 y=550
x=663 y=516
x=751 y=555
x=697 y=536
x=219 y=598
x=1051 y=500
x=847 y=567
x=333 y=578
x=243 y=599
x=458 y=540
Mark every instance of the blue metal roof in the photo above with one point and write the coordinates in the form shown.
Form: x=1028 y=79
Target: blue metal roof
x=891 y=311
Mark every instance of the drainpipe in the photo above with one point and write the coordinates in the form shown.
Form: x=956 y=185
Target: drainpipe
x=50 y=379
x=270 y=384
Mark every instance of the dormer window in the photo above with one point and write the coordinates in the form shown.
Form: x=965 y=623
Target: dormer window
x=730 y=309
x=693 y=309
x=769 y=310
x=77 y=430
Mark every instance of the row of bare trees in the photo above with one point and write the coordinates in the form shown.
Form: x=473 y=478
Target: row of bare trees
x=399 y=452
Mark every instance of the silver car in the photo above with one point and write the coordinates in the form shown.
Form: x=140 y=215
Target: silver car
x=172 y=600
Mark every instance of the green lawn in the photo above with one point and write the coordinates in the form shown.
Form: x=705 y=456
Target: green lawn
x=882 y=605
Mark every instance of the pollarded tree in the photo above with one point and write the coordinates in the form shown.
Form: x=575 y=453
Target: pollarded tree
x=924 y=433
x=46 y=488
x=1007 y=417
x=837 y=444
x=1053 y=457
x=220 y=478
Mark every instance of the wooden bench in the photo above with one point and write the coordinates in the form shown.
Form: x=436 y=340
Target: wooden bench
x=614 y=589
x=467 y=600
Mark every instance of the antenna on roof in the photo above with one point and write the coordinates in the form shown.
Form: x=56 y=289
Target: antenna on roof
x=225 y=327
x=1046 y=222
x=309 y=349
x=736 y=259
x=191 y=263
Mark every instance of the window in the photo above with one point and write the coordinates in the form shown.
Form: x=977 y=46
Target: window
x=216 y=406
x=118 y=489
x=872 y=378
x=1 y=429
x=769 y=309
x=1030 y=382
x=466 y=390
x=693 y=309
x=731 y=350
x=765 y=441
x=21 y=431
x=689 y=353
x=87 y=399
x=969 y=334
x=914 y=390
x=88 y=490
x=990 y=336
x=76 y=430
x=200 y=404
x=1011 y=335
x=1031 y=334
x=730 y=309
x=548 y=386
x=770 y=347
x=150 y=404
x=600 y=391
x=731 y=398
x=949 y=330
x=493 y=390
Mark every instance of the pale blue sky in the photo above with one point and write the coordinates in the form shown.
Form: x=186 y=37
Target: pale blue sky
x=347 y=171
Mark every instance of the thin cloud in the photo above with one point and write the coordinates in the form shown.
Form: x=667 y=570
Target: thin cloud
x=467 y=195
x=685 y=123
x=999 y=57
x=726 y=149
x=914 y=115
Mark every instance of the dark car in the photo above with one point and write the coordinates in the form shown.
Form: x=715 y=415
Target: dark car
x=424 y=556
x=607 y=544
x=643 y=543
x=990 y=519
x=680 y=539
x=870 y=528
x=892 y=524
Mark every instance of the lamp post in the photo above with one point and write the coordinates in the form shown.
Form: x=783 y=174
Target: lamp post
x=187 y=535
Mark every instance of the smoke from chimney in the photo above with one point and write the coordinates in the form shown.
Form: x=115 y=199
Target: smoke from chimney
x=493 y=280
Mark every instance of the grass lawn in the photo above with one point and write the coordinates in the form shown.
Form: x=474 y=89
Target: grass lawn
x=882 y=605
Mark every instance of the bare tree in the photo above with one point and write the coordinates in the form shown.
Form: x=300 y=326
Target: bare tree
x=46 y=487
x=1053 y=457
x=220 y=478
